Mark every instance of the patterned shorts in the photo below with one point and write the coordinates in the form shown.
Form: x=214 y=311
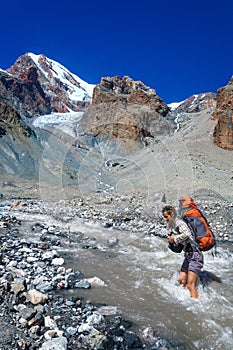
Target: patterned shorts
x=193 y=261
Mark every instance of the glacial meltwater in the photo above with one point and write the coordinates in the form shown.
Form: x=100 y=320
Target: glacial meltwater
x=141 y=275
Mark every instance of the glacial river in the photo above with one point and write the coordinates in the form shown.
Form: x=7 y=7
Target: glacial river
x=141 y=275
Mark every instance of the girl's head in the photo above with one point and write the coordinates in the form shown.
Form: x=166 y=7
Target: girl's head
x=169 y=213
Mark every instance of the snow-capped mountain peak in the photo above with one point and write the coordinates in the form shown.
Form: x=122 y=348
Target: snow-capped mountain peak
x=60 y=90
x=77 y=88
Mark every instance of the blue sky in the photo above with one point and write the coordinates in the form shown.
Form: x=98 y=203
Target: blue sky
x=179 y=48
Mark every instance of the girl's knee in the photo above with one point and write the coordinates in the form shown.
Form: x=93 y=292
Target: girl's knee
x=183 y=278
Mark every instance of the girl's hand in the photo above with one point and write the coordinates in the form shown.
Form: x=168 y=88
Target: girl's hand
x=170 y=239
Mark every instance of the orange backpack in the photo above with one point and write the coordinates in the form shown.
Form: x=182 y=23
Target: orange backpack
x=203 y=236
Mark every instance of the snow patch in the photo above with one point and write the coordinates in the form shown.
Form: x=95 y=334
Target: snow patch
x=56 y=118
x=80 y=92
x=175 y=105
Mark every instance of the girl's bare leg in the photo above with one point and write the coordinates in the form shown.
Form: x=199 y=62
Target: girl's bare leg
x=192 y=284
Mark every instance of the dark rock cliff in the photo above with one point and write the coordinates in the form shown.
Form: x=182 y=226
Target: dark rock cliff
x=223 y=133
x=10 y=119
x=25 y=96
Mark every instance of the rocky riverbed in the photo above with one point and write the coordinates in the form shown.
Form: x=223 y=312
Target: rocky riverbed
x=34 y=315
x=36 y=311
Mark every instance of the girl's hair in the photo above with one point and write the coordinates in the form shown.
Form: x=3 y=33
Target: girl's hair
x=170 y=210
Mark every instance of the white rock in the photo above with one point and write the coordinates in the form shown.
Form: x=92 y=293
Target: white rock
x=95 y=319
x=50 y=323
x=86 y=328
x=50 y=254
x=96 y=281
x=58 y=261
x=31 y=259
x=59 y=343
x=34 y=330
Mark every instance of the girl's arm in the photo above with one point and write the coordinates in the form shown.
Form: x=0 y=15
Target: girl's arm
x=184 y=232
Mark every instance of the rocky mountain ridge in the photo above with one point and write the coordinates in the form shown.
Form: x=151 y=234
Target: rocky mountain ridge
x=36 y=85
x=121 y=114
x=223 y=133
x=196 y=103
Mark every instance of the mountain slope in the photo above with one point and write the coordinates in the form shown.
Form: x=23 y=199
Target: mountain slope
x=37 y=85
x=127 y=139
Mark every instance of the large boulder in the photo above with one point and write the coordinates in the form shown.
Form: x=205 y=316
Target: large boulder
x=127 y=110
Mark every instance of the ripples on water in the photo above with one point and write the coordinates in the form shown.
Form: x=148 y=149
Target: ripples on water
x=142 y=280
x=141 y=276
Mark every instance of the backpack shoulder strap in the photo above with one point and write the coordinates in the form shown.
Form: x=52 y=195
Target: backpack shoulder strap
x=192 y=239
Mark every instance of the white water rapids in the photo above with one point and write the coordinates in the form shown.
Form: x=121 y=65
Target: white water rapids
x=141 y=280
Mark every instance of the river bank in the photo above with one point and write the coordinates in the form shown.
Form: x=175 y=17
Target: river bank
x=34 y=315
x=56 y=249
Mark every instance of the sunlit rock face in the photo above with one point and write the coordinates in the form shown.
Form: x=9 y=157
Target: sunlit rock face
x=223 y=133
x=127 y=110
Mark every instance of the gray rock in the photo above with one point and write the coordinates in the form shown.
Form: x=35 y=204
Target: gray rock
x=72 y=278
x=44 y=286
x=95 y=341
x=49 y=255
x=83 y=284
x=71 y=331
x=112 y=241
x=27 y=313
x=59 y=343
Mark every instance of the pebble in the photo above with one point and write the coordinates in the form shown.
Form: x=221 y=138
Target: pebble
x=32 y=273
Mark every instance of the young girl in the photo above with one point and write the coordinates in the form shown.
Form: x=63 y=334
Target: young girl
x=193 y=258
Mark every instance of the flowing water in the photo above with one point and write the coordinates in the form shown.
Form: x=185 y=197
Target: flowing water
x=141 y=280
